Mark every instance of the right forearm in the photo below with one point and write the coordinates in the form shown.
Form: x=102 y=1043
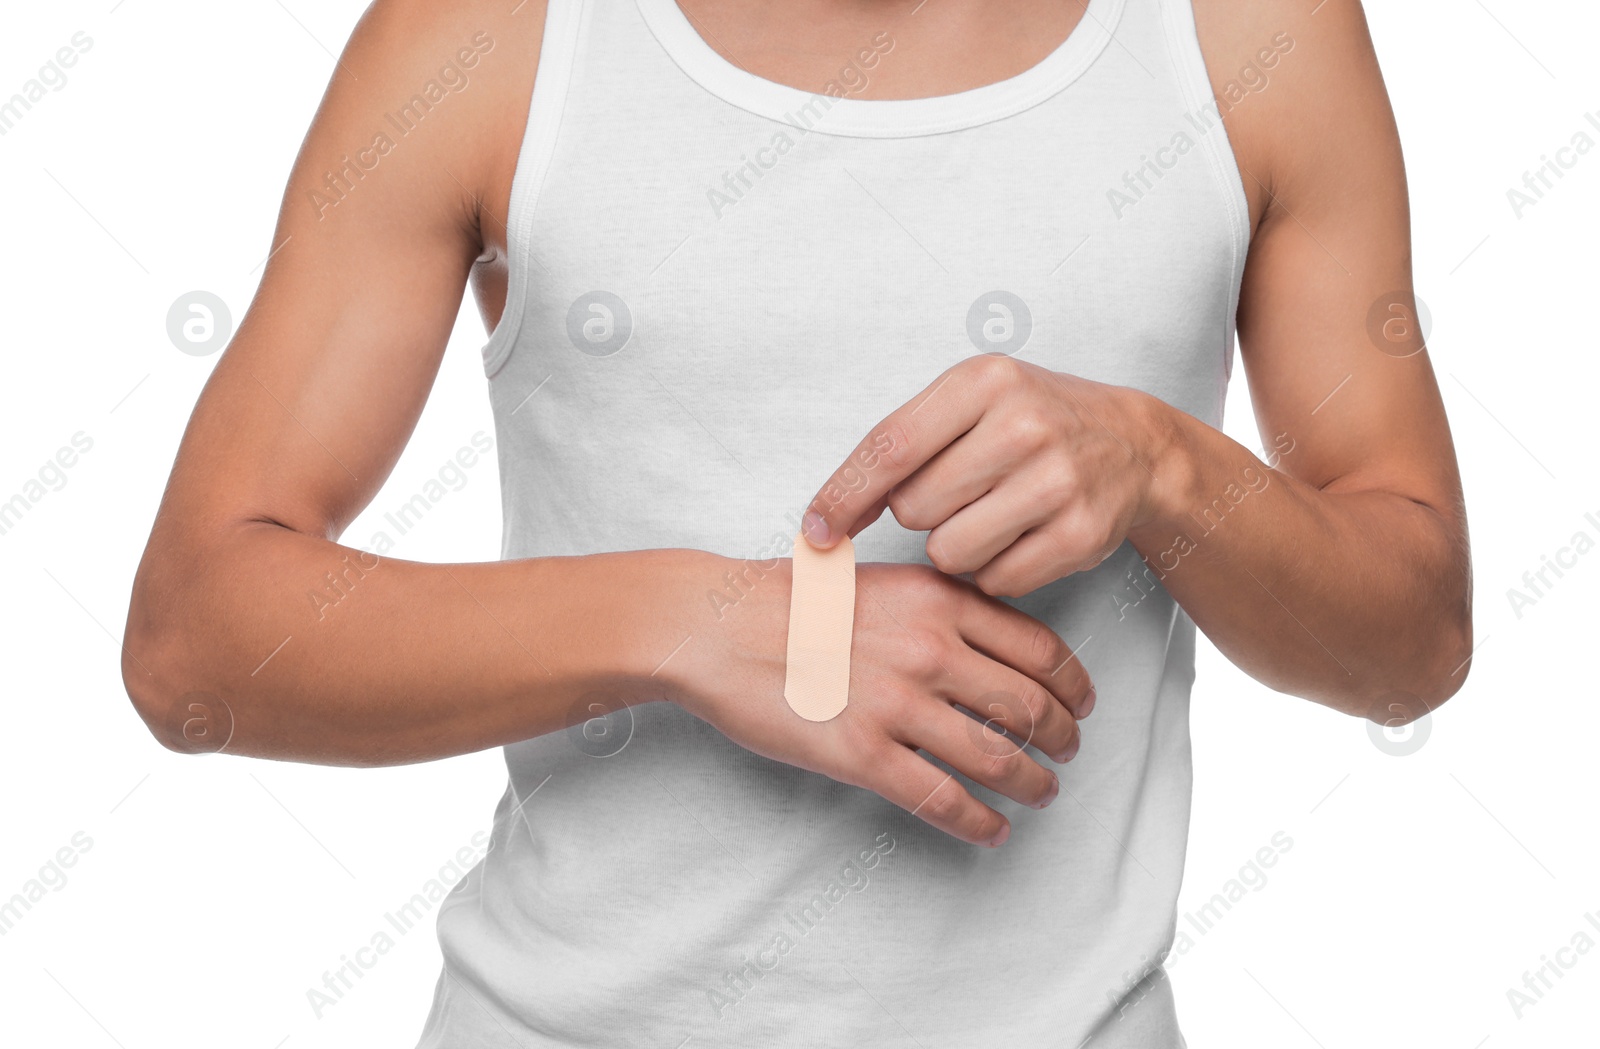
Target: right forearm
x=301 y=649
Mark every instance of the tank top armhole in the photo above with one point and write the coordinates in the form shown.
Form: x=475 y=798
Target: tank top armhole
x=1183 y=45
x=557 y=58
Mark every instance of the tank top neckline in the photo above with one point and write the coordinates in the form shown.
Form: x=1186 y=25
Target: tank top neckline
x=881 y=118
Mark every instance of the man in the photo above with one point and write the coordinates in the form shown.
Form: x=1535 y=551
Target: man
x=980 y=266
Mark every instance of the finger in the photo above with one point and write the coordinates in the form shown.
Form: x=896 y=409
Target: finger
x=872 y=514
x=907 y=438
x=962 y=473
x=1043 y=555
x=979 y=532
x=935 y=796
x=996 y=447
x=1014 y=703
x=983 y=756
x=1026 y=645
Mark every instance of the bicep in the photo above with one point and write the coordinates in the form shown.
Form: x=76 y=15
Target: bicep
x=312 y=402
x=1327 y=325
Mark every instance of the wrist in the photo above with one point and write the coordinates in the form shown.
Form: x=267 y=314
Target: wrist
x=1168 y=451
x=653 y=607
x=727 y=614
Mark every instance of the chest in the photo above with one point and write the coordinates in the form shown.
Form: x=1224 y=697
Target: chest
x=857 y=55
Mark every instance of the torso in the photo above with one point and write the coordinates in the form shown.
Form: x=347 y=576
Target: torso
x=716 y=291
x=957 y=44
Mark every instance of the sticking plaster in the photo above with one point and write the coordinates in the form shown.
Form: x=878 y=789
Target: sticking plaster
x=822 y=612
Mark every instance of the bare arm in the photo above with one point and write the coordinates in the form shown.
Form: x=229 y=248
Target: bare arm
x=302 y=421
x=1348 y=580
x=304 y=417
x=1338 y=569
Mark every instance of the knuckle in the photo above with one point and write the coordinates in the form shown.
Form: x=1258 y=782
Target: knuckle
x=1034 y=706
x=995 y=370
x=985 y=734
x=1068 y=538
x=929 y=650
x=1025 y=432
x=1005 y=764
x=1064 y=477
x=930 y=589
x=945 y=804
x=944 y=556
x=1048 y=491
x=919 y=581
x=903 y=506
x=997 y=582
x=1095 y=532
x=1044 y=648
x=893 y=441
x=1098 y=534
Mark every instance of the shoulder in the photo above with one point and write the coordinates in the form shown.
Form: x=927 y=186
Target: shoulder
x=453 y=78
x=422 y=29
x=1299 y=87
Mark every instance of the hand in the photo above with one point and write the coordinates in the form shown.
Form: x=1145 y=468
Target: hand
x=923 y=645
x=1020 y=475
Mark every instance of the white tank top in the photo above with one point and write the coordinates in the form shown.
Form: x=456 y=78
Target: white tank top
x=718 y=285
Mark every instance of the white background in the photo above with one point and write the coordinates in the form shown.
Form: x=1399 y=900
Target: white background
x=217 y=890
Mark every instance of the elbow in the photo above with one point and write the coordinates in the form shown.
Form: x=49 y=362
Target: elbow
x=1448 y=653
x=1448 y=670
x=1452 y=673
x=144 y=678
x=1430 y=679
x=184 y=720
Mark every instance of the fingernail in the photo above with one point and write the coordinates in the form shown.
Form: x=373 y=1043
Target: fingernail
x=1050 y=795
x=1000 y=839
x=1072 y=748
x=814 y=527
x=1088 y=703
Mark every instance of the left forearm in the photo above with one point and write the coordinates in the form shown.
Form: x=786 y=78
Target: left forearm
x=1358 y=599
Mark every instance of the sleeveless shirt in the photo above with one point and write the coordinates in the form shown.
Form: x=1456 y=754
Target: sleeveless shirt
x=717 y=286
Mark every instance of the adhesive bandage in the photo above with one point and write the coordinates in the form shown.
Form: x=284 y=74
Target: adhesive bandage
x=822 y=612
